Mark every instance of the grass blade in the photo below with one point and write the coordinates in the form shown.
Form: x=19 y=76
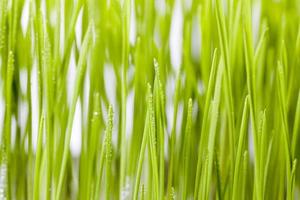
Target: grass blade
x=79 y=78
x=240 y=149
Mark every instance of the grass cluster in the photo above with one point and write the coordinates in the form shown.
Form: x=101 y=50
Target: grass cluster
x=221 y=123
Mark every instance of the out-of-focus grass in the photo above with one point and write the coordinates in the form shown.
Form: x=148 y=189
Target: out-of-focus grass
x=223 y=123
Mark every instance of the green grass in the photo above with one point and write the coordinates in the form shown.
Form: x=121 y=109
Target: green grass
x=224 y=123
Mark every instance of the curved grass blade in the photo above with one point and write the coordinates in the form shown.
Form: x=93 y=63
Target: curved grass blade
x=285 y=132
x=143 y=148
x=244 y=176
x=243 y=131
x=215 y=104
x=249 y=59
x=203 y=136
x=79 y=78
x=38 y=160
x=267 y=164
x=224 y=44
x=296 y=127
